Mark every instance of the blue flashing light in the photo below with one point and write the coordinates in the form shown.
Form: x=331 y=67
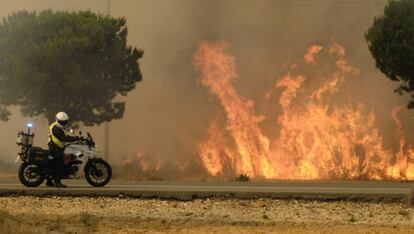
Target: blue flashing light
x=29 y=125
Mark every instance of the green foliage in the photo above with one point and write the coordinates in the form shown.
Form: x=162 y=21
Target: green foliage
x=77 y=62
x=391 y=42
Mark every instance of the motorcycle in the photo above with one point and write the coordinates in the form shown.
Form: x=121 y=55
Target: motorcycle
x=36 y=162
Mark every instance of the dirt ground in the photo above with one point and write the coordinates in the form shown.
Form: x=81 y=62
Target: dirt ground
x=123 y=215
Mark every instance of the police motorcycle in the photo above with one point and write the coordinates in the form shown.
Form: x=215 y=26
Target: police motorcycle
x=36 y=162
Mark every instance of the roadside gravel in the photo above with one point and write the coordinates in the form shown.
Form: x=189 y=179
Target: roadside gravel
x=123 y=215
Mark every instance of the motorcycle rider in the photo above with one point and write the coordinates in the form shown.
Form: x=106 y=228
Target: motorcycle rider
x=58 y=138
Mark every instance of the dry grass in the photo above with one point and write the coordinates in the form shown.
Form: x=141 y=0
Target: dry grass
x=40 y=224
x=90 y=222
x=10 y=224
x=114 y=215
x=70 y=224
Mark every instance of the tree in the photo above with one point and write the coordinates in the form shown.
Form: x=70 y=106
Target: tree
x=391 y=42
x=77 y=62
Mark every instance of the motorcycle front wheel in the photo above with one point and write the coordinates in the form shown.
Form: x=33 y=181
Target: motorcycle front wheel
x=98 y=172
x=30 y=175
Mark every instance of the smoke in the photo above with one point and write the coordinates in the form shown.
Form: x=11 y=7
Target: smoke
x=169 y=112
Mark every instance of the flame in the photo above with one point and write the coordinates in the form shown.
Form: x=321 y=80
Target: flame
x=403 y=168
x=210 y=154
x=251 y=145
x=144 y=161
x=310 y=56
x=318 y=138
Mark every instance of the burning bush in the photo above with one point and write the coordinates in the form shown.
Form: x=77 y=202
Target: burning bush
x=319 y=137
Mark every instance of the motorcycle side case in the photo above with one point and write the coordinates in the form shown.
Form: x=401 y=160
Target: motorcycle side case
x=38 y=156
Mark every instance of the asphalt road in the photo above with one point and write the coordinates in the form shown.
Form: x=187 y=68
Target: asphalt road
x=185 y=190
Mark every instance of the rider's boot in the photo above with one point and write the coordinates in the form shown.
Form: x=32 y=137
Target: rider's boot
x=60 y=185
x=50 y=183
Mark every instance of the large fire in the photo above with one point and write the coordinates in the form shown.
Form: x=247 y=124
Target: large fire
x=318 y=138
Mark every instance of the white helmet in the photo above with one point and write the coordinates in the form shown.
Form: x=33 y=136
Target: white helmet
x=62 y=118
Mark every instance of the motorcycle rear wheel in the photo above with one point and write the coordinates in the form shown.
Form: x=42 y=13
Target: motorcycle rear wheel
x=98 y=172
x=29 y=175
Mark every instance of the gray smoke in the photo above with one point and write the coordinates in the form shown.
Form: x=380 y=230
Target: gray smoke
x=169 y=111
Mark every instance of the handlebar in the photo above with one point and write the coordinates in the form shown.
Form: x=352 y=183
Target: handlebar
x=86 y=141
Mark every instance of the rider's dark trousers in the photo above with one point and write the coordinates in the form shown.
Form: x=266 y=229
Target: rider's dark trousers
x=58 y=163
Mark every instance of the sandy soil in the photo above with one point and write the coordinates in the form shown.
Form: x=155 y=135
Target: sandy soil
x=123 y=215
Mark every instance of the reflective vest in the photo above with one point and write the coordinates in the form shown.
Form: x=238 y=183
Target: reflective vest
x=53 y=138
